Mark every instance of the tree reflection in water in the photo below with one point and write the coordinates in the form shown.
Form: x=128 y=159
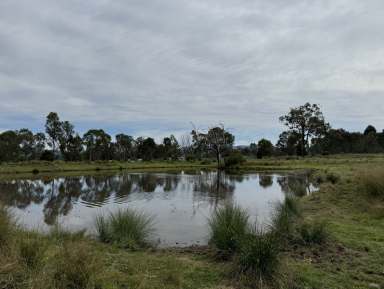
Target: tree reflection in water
x=265 y=180
x=295 y=184
x=57 y=196
x=215 y=187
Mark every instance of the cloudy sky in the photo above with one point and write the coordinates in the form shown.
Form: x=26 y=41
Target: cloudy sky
x=151 y=67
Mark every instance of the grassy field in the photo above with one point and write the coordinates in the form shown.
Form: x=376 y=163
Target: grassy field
x=339 y=162
x=63 y=167
x=350 y=201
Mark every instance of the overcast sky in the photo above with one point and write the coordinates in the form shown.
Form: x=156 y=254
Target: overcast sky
x=151 y=67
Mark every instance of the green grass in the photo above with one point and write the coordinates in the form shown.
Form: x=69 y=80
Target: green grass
x=6 y=226
x=372 y=183
x=313 y=232
x=258 y=260
x=126 y=228
x=228 y=226
x=60 y=167
x=339 y=163
x=63 y=260
x=354 y=252
x=285 y=217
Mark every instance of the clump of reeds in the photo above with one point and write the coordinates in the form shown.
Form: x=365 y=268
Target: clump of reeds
x=313 y=232
x=284 y=218
x=126 y=228
x=228 y=226
x=258 y=260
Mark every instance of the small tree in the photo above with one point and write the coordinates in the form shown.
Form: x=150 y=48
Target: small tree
x=264 y=148
x=289 y=143
x=370 y=130
x=146 y=148
x=124 y=146
x=307 y=121
x=217 y=140
x=98 y=144
x=171 y=147
x=53 y=129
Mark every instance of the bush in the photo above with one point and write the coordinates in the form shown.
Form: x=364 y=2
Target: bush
x=313 y=233
x=258 y=259
x=126 y=228
x=47 y=156
x=233 y=160
x=228 y=225
x=332 y=178
x=206 y=162
x=190 y=158
x=372 y=183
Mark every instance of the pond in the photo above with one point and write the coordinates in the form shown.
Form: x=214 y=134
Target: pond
x=180 y=203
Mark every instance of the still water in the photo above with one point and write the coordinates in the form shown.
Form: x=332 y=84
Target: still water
x=180 y=203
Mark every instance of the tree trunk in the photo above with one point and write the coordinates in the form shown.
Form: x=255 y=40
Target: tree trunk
x=303 y=142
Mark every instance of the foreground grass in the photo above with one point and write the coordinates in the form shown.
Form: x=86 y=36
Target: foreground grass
x=353 y=258
x=80 y=263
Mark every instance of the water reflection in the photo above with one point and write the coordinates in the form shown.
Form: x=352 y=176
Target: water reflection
x=265 y=181
x=181 y=202
x=296 y=184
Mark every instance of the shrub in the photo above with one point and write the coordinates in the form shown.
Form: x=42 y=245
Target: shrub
x=206 y=162
x=258 y=259
x=372 y=183
x=228 y=225
x=74 y=266
x=47 y=156
x=313 y=233
x=332 y=178
x=126 y=228
x=190 y=158
x=318 y=178
x=233 y=160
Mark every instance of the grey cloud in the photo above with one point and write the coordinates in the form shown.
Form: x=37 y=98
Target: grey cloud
x=166 y=63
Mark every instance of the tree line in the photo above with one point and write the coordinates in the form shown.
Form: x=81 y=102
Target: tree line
x=307 y=133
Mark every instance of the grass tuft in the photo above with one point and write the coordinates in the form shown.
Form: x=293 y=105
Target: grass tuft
x=313 y=233
x=228 y=225
x=126 y=228
x=258 y=259
x=285 y=217
x=332 y=178
x=372 y=183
